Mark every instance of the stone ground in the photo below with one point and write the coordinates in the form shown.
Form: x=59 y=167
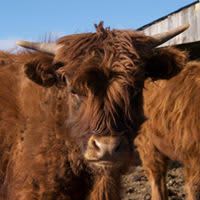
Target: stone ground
x=136 y=187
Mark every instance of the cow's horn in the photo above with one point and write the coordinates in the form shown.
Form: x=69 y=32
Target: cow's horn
x=49 y=48
x=164 y=37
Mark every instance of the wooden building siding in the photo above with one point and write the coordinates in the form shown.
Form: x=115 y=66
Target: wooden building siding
x=188 y=14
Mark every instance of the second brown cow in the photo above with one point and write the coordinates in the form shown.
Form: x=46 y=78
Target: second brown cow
x=172 y=130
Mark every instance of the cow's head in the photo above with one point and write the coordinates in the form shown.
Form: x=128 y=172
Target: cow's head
x=104 y=74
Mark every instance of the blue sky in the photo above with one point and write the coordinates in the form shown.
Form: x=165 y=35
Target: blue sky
x=34 y=19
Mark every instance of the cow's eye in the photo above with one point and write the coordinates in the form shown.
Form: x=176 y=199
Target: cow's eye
x=78 y=98
x=76 y=92
x=75 y=95
x=73 y=91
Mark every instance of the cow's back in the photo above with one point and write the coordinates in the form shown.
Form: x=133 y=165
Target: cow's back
x=172 y=107
x=9 y=109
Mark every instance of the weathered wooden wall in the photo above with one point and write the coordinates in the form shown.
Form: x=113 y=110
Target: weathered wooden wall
x=189 y=14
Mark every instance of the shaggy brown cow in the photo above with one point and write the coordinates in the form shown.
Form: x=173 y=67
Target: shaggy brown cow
x=172 y=131
x=69 y=111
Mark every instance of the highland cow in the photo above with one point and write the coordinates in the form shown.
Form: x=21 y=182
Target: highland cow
x=70 y=110
x=172 y=130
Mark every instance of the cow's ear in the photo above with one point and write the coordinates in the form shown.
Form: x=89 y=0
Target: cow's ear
x=42 y=70
x=164 y=63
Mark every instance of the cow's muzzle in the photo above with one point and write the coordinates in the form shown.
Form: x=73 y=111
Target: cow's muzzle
x=110 y=151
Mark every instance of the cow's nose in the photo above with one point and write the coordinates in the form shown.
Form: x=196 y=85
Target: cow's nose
x=110 y=147
x=105 y=148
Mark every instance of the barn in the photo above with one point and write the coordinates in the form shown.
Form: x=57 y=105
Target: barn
x=190 y=39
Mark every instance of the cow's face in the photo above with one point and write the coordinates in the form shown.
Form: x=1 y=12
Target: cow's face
x=103 y=74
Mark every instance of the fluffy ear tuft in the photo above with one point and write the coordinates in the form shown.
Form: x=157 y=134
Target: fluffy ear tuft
x=165 y=63
x=42 y=71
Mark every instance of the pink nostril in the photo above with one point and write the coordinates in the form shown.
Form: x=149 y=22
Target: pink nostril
x=117 y=148
x=95 y=145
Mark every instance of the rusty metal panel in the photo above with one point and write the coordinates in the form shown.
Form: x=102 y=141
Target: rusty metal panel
x=189 y=14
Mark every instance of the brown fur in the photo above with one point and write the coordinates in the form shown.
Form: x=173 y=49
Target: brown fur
x=49 y=107
x=106 y=187
x=173 y=130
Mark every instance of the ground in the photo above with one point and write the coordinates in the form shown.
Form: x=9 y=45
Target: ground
x=136 y=187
